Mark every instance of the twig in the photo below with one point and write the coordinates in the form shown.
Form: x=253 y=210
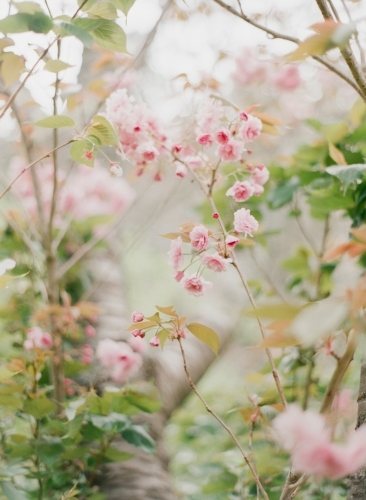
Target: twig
x=276 y=34
x=47 y=155
x=340 y=370
x=222 y=423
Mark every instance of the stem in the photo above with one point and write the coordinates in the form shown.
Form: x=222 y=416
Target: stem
x=222 y=423
x=282 y=36
x=104 y=448
x=47 y=155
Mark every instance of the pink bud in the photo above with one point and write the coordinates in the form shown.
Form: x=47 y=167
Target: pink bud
x=90 y=331
x=155 y=341
x=215 y=215
x=137 y=316
x=158 y=177
x=138 y=333
x=244 y=116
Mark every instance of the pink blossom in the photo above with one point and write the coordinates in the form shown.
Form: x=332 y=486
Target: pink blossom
x=196 y=285
x=68 y=389
x=308 y=439
x=194 y=161
x=205 y=140
x=231 y=241
x=87 y=354
x=138 y=333
x=199 y=238
x=148 y=151
x=289 y=78
x=37 y=338
x=137 y=316
x=243 y=115
x=258 y=189
x=118 y=358
x=241 y=191
x=260 y=175
x=90 y=331
x=230 y=151
x=222 y=136
x=249 y=68
x=181 y=170
x=244 y=222
x=250 y=129
x=155 y=341
x=137 y=344
x=216 y=263
x=176 y=258
x=209 y=114
x=178 y=276
x=115 y=169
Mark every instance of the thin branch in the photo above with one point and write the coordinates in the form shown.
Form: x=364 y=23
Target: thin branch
x=338 y=374
x=281 y=36
x=48 y=8
x=334 y=10
x=222 y=423
x=47 y=155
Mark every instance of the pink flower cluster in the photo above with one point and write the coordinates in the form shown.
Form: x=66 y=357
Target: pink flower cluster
x=37 y=338
x=142 y=138
x=200 y=240
x=243 y=190
x=305 y=435
x=85 y=193
x=119 y=358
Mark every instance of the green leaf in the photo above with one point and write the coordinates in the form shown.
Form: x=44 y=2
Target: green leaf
x=73 y=452
x=54 y=66
x=6 y=374
x=49 y=449
x=86 y=5
x=12 y=493
x=163 y=336
x=123 y=5
x=68 y=29
x=147 y=400
x=40 y=407
x=206 y=335
x=10 y=401
x=283 y=193
x=112 y=422
x=116 y=455
x=87 y=24
x=75 y=425
x=56 y=122
x=106 y=10
x=84 y=151
x=110 y=36
x=22 y=22
x=138 y=436
x=28 y=7
x=347 y=174
x=104 y=131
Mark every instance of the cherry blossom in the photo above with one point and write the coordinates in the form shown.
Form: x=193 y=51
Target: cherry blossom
x=138 y=333
x=231 y=150
x=205 y=140
x=244 y=222
x=289 y=78
x=199 y=238
x=216 y=263
x=241 y=191
x=37 y=338
x=178 y=276
x=119 y=358
x=176 y=257
x=155 y=341
x=260 y=175
x=306 y=436
x=181 y=170
x=250 y=129
x=231 y=241
x=196 y=285
x=90 y=331
x=222 y=136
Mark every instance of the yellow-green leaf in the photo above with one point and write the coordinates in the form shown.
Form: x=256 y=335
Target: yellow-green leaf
x=106 y=10
x=54 y=66
x=6 y=374
x=275 y=311
x=11 y=67
x=123 y=5
x=336 y=155
x=277 y=339
x=206 y=335
x=58 y=121
x=163 y=336
x=170 y=311
x=104 y=131
x=84 y=151
x=142 y=325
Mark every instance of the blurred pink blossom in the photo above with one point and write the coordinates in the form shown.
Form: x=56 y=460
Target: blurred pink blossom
x=176 y=257
x=137 y=344
x=209 y=114
x=137 y=316
x=155 y=341
x=180 y=170
x=37 y=338
x=205 y=140
x=260 y=175
x=90 y=331
x=288 y=78
x=308 y=439
x=250 y=129
x=86 y=354
x=230 y=151
x=119 y=358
